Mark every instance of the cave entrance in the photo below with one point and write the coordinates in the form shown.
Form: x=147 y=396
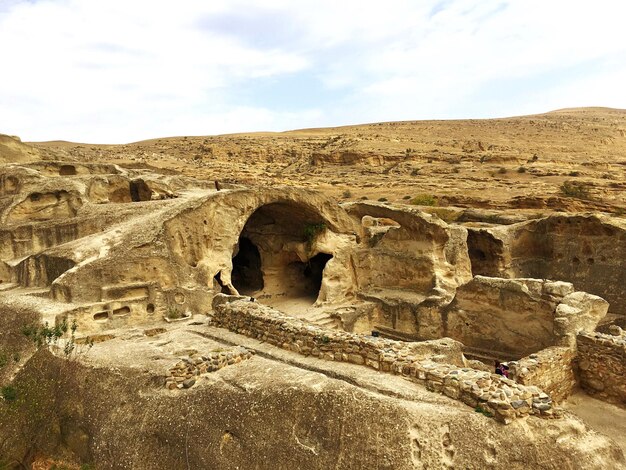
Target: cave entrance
x=277 y=259
x=486 y=253
x=139 y=191
x=67 y=170
x=314 y=272
x=247 y=276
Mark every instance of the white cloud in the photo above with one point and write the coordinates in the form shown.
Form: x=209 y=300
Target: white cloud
x=119 y=71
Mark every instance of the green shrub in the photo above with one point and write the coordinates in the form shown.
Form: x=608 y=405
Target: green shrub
x=45 y=335
x=9 y=393
x=521 y=169
x=312 y=231
x=480 y=410
x=55 y=336
x=424 y=200
x=575 y=189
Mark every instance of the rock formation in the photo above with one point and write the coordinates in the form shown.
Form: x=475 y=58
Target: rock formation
x=150 y=320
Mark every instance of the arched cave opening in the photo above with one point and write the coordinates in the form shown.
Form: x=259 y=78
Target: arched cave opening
x=140 y=191
x=67 y=170
x=273 y=258
x=247 y=276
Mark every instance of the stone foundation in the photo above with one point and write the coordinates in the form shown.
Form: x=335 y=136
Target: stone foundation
x=494 y=395
x=550 y=369
x=186 y=371
x=602 y=365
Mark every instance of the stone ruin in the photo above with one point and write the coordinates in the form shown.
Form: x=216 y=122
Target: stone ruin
x=377 y=285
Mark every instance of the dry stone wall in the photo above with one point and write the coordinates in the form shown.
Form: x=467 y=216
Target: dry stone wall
x=602 y=365
x=185 y=372
x=489 y=393
x=550 y=369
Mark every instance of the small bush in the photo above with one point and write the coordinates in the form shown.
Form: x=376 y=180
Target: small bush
x=502 y=170
x=424 y=200
x=415 y=171
x=52 y=337
x=406 y=197
x=382 y=199
x=347 y=193
x=575 y=189
x=574 y=173
x=312 y=231
x=521 y=169
x=480 y=410
x=9 y=393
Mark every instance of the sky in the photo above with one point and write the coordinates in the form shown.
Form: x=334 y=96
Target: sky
x=120 y=71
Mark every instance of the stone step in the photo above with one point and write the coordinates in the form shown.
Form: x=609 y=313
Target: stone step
x=324 y=321
x=8 y=286
x=487 y=356
x=390 y=333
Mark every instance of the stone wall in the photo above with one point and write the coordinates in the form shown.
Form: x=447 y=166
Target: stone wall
x=602 y=365
x=550 y=369
x=489 y=393
x=185 y=372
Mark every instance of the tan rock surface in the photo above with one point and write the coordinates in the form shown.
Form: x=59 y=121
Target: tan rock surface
x=133 y=242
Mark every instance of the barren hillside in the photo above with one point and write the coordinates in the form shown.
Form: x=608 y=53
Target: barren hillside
x=511 y=163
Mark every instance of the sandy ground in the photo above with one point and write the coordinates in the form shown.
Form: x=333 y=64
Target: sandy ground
x=600 y=416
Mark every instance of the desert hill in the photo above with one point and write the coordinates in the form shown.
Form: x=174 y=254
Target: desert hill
x=508 y=163
x=13 y=150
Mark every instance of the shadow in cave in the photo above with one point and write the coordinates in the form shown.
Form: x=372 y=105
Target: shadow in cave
x=247 y=276
x=313 y=273
x=139 y=191
x=486 y=253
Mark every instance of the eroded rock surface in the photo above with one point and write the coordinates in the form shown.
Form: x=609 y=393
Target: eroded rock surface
x=379 y=369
